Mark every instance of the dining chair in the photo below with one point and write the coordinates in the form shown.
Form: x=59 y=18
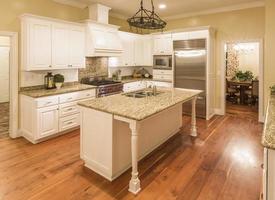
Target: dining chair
x=232 y=93
x=253 y=93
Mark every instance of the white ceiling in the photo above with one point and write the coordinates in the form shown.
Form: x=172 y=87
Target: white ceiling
x=175 y=8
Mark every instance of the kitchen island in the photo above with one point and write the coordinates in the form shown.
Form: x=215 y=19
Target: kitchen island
x=119 y=130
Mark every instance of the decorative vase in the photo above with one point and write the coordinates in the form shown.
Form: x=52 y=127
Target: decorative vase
x=58 y=85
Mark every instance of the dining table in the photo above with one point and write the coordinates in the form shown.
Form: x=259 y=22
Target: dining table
x=242 y=85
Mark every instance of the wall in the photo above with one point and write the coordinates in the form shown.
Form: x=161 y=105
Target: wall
x=230 y=26
x=4 y=68
x=10 y=12
x=269 y=70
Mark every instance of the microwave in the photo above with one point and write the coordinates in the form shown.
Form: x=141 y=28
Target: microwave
x=162 y=62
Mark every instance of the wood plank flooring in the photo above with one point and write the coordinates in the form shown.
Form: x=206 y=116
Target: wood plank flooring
x=223 y=163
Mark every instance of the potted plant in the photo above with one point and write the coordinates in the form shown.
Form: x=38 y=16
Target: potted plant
x=58 y=80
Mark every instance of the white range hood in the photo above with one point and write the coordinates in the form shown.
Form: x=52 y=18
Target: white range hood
x=102 y=38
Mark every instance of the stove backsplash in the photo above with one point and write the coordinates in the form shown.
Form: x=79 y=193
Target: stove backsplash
x=95 y=66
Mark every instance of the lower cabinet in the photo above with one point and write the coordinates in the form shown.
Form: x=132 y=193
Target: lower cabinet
x=45 y=117
x=268 y=175
x=139 y=85
x=47 y=121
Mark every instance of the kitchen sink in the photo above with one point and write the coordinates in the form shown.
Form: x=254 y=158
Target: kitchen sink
x=141 y=94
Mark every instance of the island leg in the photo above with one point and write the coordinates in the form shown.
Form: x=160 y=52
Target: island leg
x=193 y=120
x=134 y=185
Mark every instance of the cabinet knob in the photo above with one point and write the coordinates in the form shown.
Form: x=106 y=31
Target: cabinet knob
x=50 y=66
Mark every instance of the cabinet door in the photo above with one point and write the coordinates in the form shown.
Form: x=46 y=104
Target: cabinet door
x=60 y=46
x=139 y=52
x=77 y=47
x=163 y=45
x=127 y=58
x=39 y=45
x=147 y=52
x=47 y=121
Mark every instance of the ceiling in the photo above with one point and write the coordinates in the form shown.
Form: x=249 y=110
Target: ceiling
x=175 y=8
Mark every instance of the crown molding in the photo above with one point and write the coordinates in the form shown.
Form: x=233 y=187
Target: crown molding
x=254 y=4
x=72 y=3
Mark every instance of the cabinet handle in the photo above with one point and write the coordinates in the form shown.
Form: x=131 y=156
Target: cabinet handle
x=70 y=98
x=69 y=109
x=87 y=95
x=68 y=123
x=49 y=102
x=50 y=66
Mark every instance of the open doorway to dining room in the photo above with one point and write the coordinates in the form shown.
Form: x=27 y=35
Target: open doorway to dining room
x=4 y=84
x=243 y=79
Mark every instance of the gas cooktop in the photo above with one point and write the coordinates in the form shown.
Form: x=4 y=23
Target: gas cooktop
x=98 y=82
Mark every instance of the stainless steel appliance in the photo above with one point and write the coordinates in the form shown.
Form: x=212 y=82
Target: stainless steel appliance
x=162 y=62
x=105 y=87
x=190 y=59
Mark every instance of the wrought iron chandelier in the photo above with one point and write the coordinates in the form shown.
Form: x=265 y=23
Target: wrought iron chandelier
x=146 y=19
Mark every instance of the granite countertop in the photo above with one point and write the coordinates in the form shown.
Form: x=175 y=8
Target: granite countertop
x=140 y=108
x=36 y=93
x=268 y=137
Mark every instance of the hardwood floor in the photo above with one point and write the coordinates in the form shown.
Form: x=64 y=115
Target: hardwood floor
x=223 y=163
x=246 y=111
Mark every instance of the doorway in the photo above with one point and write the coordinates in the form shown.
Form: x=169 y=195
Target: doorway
x=242 y=78
x=4 y=84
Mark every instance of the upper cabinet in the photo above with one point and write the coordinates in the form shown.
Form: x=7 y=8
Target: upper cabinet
x=102 y=40
x=48 y=44
x=137 y=51
x=163 y=44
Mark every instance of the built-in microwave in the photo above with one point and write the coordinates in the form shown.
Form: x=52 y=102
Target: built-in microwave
x=162 y=62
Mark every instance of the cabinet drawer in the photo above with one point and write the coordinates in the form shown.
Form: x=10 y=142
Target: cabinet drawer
x=68 y=109
x=69 y=122
x=64 y=98
x=162 y=72
x=163 y=77
x=46 y=101
x=86 y=94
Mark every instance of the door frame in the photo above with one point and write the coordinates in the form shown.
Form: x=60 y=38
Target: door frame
x=261 y=78
x=14 y=83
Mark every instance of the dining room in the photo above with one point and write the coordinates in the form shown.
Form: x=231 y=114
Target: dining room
x=242 y=74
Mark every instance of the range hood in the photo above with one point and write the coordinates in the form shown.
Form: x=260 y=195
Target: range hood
x=102 y=38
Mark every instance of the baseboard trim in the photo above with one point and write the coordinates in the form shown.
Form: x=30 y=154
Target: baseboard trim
x=218 y=111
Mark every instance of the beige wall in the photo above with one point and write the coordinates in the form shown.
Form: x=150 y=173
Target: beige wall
x=10 y=10
x=230 y=26
x=269 y=70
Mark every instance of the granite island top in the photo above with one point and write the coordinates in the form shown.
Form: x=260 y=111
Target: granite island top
x=268 y=137
x=36 y=93
x=140 y=108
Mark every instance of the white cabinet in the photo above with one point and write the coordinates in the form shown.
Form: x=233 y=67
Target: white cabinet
x=128 y=45
x=269 y=174
x=137 y=51
x=37 y=49
x=77 y=47
x=60 y=45
x=43 y=117
x=47 y=121
x=49 y=44
x=163 y=44
x=163 y=75
x=132 y=86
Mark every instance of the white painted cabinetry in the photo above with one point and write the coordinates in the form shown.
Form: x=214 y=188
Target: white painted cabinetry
x=139 y=85
x=137 y=51
x=44 y=117
x=51 y=44
x=163 y=75
x=269 y=174
x=163 y=44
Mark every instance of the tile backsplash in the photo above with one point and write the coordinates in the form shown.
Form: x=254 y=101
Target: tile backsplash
x=95 y=66
x=28 y=79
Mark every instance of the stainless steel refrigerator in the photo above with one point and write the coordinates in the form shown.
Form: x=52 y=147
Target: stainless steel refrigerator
x=190 y=57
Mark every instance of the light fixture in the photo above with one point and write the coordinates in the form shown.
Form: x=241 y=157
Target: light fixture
x=162 y=6
x=146 y=19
